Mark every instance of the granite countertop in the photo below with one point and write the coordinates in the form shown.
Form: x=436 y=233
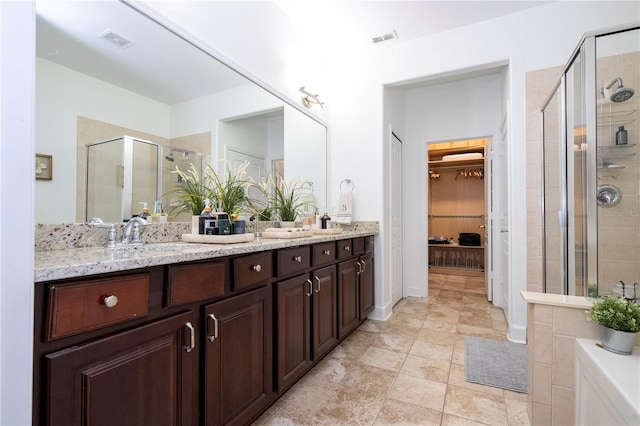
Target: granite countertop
x=76 y=262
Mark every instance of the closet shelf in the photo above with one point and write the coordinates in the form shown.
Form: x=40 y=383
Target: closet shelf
x=456 y=216
x=439 y=164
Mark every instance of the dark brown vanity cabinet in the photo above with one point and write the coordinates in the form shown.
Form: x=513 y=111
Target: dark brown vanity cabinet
x=306 y=319
x=355 y=283
x=238 y=359
x=143 y=376
x=211 y=342
x=366 y=286
x=103 y=355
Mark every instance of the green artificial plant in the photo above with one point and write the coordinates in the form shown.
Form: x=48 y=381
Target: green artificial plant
x=616 y=313
x=289 y=199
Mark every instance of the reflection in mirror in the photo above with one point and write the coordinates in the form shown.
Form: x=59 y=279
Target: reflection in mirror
x=158 y=89
x=126 y=174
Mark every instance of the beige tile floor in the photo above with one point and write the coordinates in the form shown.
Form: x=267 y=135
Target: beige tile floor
x=408 y=370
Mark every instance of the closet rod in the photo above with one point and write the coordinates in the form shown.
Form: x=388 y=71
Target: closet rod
x=456 y=216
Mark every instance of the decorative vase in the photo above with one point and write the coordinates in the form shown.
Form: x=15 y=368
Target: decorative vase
x=619 y=342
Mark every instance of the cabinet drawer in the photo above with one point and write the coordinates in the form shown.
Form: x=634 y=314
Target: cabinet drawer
x=344 y=248
x=369 y=244
x=358 y=245
x=250 y=270
x=190 y=283
x=324 y=253
x=92 y=304
x=293 y=260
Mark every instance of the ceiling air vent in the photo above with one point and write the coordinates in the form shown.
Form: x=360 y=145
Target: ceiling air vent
x=385 y=37
x=116 y=39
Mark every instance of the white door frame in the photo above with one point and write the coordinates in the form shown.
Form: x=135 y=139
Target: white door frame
x=396 y=185
x=489 y=214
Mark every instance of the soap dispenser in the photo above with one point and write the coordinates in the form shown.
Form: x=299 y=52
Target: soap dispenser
x=145 y=211
x=207 y=222
x=325 y=221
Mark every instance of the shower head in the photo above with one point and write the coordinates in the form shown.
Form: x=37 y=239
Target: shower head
x=621 y=93
x=169 y=157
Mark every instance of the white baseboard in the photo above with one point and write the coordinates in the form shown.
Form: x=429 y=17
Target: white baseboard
x=381 y=313
x=517 y=334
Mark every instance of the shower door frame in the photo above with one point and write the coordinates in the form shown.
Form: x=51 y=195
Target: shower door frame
x=586 y=48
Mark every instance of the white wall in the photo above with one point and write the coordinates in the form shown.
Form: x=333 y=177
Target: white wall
x=247 y=135
x=62 y=95
x=17 y=67
x=533 y=39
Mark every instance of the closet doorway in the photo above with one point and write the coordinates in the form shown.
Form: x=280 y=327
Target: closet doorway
x=459 y=204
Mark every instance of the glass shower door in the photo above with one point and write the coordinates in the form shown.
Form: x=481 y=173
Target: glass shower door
x=576 y=152
x=105 y=180
x=144 y=188
x=618 y=165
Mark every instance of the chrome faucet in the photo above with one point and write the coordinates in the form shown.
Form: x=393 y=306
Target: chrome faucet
x=111 y=237
x=133 y=223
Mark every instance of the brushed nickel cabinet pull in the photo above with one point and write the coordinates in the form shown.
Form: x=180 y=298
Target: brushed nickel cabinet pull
x=192 y=338
x=326 y=252
x=297 y=259
x=347 y=248
x=359 y=265
x=308 y=281
x=256 y=268
x=318 y=281
x=364 y=266
x=213 y=336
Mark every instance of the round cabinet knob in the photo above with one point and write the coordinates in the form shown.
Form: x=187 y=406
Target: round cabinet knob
x=257 y=268
x=110 y=301
x=347 y=248
x=297 y=259
x=326 y=252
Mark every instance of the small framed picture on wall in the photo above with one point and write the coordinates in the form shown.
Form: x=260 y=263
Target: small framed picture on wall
x=44 y=166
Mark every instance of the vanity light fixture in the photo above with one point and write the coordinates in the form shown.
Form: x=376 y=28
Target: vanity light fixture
x=310 y=99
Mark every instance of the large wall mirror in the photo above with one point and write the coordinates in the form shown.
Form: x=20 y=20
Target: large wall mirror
x=121 y=101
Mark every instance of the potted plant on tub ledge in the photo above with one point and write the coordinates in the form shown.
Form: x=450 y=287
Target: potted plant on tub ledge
x=619 y=321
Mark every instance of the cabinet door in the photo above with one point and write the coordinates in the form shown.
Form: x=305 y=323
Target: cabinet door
x=325 y=330
x=293 y=329
x=366 y=286
x=143 y=376
x=238 y=358
x=348 y=297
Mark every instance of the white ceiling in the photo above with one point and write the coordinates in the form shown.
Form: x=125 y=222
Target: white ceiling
x=340 y=25
x=170 y=71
